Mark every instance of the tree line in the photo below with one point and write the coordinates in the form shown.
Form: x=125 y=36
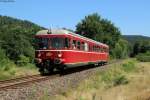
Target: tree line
x=102 y=30
x=17 y=36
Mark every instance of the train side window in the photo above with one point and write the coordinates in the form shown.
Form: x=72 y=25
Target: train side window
x=107 y=50
x=104 y=49
x=98 y=49
x=101 y=49
x=67 y=42
x=82 y=46
x=93 y=48
x=49 y=43
x=90 y=48
x=74 y=44
x=78 y=45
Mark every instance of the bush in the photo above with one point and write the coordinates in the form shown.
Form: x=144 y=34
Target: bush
x=5 y=63
x=114 y=77
x=120 y=79
x=121 y=50
x=23 y=60
x=2 y=58
x=143 y=57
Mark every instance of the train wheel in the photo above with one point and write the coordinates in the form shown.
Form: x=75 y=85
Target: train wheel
x=50 y=69
x=61 y=69
x=41 y=70
x=100 y=64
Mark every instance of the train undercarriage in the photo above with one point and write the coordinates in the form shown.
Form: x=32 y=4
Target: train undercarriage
x=48 y=66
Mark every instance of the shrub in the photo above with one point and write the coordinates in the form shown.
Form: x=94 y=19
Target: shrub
x=3 y=58
x=143 y=57
x=120 y=79
x=114 y=77
x=5 y=63
x=23 y=60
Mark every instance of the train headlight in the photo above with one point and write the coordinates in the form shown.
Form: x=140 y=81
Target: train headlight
x=60 y=55
x=39 y=55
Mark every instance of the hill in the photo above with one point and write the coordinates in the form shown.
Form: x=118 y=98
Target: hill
x=133 y=38
x=16 y=37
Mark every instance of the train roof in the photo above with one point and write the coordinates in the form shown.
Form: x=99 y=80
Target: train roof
x=63 y=32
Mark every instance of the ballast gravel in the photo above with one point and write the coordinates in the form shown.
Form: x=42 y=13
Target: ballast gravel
x=49 y=87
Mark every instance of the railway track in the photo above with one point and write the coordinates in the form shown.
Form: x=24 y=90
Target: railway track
x=18 y=82
x=21 y=81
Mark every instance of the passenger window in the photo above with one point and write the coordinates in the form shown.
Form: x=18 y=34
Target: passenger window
x=90 y=48
x=96 y=48
x=74 y=44
x=82 y=46
x=101 y=49
x=78 y=46
x=67 y=42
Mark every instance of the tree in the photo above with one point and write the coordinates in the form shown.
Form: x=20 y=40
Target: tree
x=141 y=46
x=121 y=49
x=16 y=37
x=99 y=29
x=90 y=26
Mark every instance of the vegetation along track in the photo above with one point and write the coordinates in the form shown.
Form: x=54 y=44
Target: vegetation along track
x=20 y=81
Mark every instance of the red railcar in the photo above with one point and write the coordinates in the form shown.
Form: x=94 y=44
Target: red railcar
x=59 y=48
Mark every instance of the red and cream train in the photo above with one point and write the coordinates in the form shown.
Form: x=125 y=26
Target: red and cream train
x=60 y=49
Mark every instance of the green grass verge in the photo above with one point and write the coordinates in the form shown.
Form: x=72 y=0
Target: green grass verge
x=11 y=70
x=114 y=76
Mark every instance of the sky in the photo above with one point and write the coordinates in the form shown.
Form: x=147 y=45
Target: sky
x=132 y=17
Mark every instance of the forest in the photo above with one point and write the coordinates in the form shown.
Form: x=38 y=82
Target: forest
x=17 y=39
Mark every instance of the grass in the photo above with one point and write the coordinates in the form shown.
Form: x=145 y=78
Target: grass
x=10 y=70
x=126 y=81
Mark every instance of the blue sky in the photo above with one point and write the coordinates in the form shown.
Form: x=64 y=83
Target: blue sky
x=131 y=16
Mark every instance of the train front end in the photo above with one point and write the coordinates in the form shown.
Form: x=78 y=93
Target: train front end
x=48 y=54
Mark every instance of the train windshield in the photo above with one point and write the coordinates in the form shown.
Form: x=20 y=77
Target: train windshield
x=57 y=43
x=52 y=43
x=41 y=43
